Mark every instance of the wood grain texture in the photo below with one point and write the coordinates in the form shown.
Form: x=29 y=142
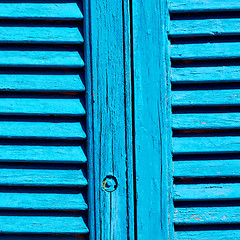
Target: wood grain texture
x=209 y=98
x=111 y=100
x=207 y=192
x=208 y=235
x=191 y=145
x=152 y=145
x=40 y=11
x=41 y=83
x=207 y=215
x=205 y=51
x=42 y=177
x=41 y=106
x=48 y=59
x=207 y=169
x=179 y=6
x=43 y=35
x=42 y=201
x=44 y=225
x=44 y=154
x=205 y=74
x=206 y=121
x=204 y=27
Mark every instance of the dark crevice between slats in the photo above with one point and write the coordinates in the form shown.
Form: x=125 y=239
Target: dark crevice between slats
x=206 y=133
x=42 y=1
x=43 y=95
x=196 y=157
x=39 y=142
x=205 y=86
x=207 y=227
x=205 y=15
x=204 y=180
x=190 y=204
x=42 y=237
x=41 y=71
x=52 y=119
x=206 y=109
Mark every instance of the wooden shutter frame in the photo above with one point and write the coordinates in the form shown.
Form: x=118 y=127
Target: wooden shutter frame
x=144 y=97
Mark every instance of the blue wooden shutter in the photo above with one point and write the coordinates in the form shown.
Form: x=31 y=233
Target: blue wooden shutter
x=205 y=53
x=42 y=121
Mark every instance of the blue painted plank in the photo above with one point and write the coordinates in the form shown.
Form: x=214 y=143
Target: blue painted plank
x=206 y=121
x=50 y=59
x=207 y=168
x=35 y=106
x=41 y=83
x=42 y=201
x=179 y=6
x=205 y=51
x=40 y=11
x=209 y=98
x=204 y=27
x=190 y=145
x=45 y=154
x=205 y=74
x=43 y=35
x=42 y=130
x=42 y=177
x=208 y=235
x=43 y=225
x=207 y=215
x=207 y=192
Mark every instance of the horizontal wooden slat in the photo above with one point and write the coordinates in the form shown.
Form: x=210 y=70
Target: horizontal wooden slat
x=207 y=168
x=42 y=201
x=208 y=235
x=183 y=6
x=206 y=121
x=207 y=192
x=205 y=51
x=189 y=145
x=40 y=11
x=227 y=97
x=42 y=130
x=207 y=215
x=48 y=154
x=49 y=59
x=204 y=27
x=206 y=74
x=34 y=106
x=44 y=225
x=41 y=83
x=42 y=177
x=46 y=35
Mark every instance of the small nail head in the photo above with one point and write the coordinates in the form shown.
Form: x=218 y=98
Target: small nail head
x=110 y=183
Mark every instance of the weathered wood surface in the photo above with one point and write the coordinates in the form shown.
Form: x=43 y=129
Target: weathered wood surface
x=42 y=201
x=45 y=153
x=209 y=98
x=191 y=145
x=48 y=59
x=42 y=224
x=204 y=27
x=182 y=6
x=41 y=83
x=208 y=235
x=207 y=215
x=43 y=35
x=207 y=192
x=205 y=74
x=207 y=169
x=41 y=106
x=40 y=11
x=206 y=121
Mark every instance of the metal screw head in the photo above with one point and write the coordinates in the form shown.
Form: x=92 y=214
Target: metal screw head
x=110 y=183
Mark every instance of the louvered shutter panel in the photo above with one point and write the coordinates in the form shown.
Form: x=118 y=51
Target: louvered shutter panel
x=42 y=121
x=205 y=53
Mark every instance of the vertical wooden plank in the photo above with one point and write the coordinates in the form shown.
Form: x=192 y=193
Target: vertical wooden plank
x=151 y=107
x=110 y=131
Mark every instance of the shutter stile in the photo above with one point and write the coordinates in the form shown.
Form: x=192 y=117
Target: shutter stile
x=43 y=184
x=205 y=79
